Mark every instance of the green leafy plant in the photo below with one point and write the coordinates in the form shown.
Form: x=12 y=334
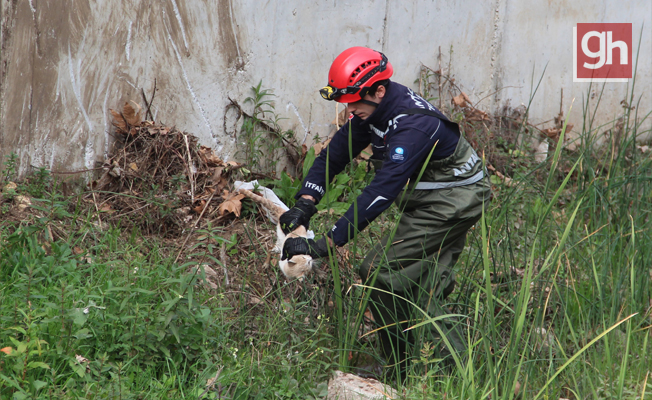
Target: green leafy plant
x=26 y=359
x=285 y=188
x=10 y=167
x=261 y=136
x=39 y=183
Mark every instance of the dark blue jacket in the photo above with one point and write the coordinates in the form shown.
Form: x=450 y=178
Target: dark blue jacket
x=403 y=141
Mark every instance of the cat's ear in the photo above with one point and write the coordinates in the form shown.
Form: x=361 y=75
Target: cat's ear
x=291 y=262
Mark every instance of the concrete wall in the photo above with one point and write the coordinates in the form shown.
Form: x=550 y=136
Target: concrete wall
x=64 y=63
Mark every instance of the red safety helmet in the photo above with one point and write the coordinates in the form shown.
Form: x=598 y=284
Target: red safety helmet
x=353 y=72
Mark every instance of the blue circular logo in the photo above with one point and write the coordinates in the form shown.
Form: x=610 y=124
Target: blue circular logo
x=398 y=154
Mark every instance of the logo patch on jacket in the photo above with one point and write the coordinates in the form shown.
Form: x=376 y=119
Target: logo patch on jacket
x=398 y=154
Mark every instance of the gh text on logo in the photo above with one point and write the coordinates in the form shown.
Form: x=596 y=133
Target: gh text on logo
x=602 y=52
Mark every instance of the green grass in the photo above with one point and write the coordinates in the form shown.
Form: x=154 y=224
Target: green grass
x=146 y=327
x=100 y=312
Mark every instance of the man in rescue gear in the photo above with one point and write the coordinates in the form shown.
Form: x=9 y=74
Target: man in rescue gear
x=409 y=137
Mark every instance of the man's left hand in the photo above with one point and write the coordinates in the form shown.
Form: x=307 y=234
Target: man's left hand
x=313 y=248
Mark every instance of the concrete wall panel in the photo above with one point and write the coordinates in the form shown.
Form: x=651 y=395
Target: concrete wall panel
x=64 y=63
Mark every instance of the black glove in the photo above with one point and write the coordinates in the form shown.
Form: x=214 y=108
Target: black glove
x=313 y=248
x=300 y=214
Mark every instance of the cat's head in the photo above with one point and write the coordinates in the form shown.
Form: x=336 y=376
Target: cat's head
x=296 y=267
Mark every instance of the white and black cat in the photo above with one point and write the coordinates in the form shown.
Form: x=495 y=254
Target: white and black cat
x=298 y=266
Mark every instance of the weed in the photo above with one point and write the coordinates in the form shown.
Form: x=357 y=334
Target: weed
x=39 y=183
x=10 y=167
x=285 y=187
x=261 y=136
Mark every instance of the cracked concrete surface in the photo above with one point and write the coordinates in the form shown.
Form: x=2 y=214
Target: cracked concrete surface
x=64 y=63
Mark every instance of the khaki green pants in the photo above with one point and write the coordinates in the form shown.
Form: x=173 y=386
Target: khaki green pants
x=418 y=265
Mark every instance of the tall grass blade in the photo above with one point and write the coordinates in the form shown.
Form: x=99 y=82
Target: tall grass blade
x=580 y=352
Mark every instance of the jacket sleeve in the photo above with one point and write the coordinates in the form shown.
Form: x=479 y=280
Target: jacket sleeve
x=405 y=152
x=346 y=144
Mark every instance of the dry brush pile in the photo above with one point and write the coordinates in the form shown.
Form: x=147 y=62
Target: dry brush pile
x=162 y=182
x=161 y=178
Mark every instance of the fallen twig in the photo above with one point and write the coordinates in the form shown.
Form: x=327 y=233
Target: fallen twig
x=211 y=382
x=191 y=173
x=149 y=103
x=223 y=260
x=99 y=220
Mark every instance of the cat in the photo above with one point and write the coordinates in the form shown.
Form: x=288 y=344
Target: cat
x=298 y=266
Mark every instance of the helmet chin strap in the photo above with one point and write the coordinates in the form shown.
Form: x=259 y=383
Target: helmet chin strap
x=367 y=102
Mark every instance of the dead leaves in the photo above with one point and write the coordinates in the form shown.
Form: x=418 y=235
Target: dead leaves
x=9 y=189
x=200 y=208
x=118 y=121
x=83 y=361
x=232 y=204
x=462 y=100
x=22 y=202
x=155 y=129
x=9 y=193
x=132 y=112
x=471 y=113
x=128 y=119
x=554 y=133
x=477 y=115
x=219 y=179
x=209 y=158
x=320 y=146
x=505 y=179
x=150 y=155
x=212 y=278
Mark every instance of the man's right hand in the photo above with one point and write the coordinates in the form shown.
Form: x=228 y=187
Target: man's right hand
x=300 y=214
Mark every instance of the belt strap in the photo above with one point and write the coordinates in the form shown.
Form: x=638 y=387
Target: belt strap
x=447 y=185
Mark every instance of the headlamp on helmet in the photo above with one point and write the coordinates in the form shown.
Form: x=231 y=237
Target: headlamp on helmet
x=332 y=93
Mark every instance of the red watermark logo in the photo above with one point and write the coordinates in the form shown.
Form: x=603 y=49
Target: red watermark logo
x=602 y=52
